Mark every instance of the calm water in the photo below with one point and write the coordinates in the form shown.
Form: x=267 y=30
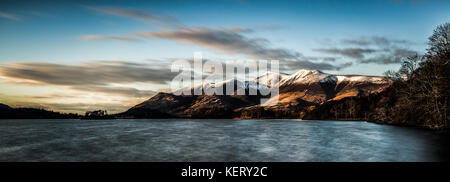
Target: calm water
x=215 y=140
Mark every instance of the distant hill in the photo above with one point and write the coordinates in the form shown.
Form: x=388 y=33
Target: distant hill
x=3 y=106
x=7 y=112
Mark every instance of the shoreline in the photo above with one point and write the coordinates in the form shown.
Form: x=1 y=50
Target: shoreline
x=445 y=129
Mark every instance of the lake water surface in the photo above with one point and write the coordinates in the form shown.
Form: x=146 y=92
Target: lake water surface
x=215 y=140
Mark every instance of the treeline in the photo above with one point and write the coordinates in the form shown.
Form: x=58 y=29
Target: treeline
x=349 y=108
x=97 y=114
x=287 y=111
x=32 y=113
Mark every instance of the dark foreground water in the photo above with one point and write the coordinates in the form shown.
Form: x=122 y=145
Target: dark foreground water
x=215 y=140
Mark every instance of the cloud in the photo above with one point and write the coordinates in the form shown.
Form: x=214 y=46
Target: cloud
x=358 y=42
x=393 y=56
x=93 y=76
x=122 y=91
x=404 y=52
x=225 y=41
x=322 y=58
x=374 y=49
x=232 y=41
x=329 y=59
x=88 y=73
x=374 y=40
x=103 y=37
x=286 y=66
x=348 y=52
x=136 y=14
x=49 y=96
x=383 y=59
x=10 y=16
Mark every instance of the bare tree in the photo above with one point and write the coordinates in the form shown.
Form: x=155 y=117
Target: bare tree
x=422 y=87
x=439 y=42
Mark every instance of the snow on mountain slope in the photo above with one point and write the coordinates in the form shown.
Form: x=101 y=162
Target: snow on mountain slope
x=303 y=80
x=210 y=87
x=270 y=78
x=304 y=76
x=361 y=78
x=315 y=76
x=318 y=87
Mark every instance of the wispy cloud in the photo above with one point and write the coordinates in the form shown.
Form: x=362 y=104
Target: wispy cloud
x=87 y=73
x=286 y=66
x=374 y=40
x=103 y=37
x=373 y=49
x=114 y=90
x=50 y=96
x=93 y=76
x=348 y=52
x=393 y=56
x=382 y=59
x=136 y=14
x=225 y=41
x=10 y=16
x=232 y=41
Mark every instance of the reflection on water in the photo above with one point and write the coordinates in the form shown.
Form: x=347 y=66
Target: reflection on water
x=215 y=140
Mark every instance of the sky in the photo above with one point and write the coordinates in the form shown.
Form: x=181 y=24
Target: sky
x=73 y=56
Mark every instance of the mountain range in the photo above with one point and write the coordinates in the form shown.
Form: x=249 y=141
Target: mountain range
x=302 y=90
x=300 y=95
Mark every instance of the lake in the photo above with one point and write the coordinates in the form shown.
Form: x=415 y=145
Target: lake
x=215 y=140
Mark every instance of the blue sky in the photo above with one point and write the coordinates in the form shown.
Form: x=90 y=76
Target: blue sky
x=342 y=37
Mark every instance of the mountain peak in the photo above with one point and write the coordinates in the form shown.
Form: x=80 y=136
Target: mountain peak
x=304 y=76
x=304 y=72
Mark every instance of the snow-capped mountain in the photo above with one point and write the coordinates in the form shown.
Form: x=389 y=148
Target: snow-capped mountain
x=315 y=76
x=318 y=87
x=304 y=76
x=301 y=89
